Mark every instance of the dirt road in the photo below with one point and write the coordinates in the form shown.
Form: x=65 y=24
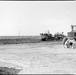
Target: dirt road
x=38 y=58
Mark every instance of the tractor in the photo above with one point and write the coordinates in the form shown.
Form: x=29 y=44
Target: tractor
x=70 y=40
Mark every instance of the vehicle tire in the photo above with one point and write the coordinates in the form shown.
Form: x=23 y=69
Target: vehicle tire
x=65 y=41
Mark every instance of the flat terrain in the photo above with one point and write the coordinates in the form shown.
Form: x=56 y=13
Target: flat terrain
x=38 y=58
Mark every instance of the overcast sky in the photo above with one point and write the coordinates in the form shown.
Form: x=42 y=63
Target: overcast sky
x=33 y=18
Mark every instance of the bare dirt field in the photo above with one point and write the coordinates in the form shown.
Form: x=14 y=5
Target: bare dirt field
x=38 y=58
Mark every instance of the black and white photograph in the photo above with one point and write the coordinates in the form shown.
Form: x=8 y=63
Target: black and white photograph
x=37 y=37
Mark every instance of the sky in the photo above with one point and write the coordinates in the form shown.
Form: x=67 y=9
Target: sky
x=34 y=17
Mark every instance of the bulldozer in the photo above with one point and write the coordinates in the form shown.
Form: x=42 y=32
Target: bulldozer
x=70 y=40
x=59 y=36
x=49 y=37
x=46 y=36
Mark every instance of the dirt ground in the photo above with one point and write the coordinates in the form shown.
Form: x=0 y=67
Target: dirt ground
x=38 y=58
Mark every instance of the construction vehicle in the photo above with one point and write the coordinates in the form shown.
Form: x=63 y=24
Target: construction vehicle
x=72 y=34
x=70 y=39
x=59 y=36
x=46 y=36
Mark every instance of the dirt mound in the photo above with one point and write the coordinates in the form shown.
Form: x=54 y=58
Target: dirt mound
x=6 y=70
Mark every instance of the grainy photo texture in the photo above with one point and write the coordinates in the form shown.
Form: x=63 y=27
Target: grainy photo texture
x=38 y=37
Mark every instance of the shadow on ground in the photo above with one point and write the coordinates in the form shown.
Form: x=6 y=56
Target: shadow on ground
x=8 y=71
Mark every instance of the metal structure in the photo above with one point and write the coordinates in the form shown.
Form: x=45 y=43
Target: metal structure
x=46 y=36
x=49 y=37
x=59 y=36
x=70 y=40
x=72 y=34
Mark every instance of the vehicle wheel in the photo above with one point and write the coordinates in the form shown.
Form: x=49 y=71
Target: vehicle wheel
x=65 y=41
x=67 y=44
x=70 y=44
x=74 y=45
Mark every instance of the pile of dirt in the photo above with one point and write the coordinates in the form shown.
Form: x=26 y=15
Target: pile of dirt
x=8 y=71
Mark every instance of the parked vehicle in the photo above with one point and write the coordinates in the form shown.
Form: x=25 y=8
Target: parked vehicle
x=48 y=36
x=59 y=36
